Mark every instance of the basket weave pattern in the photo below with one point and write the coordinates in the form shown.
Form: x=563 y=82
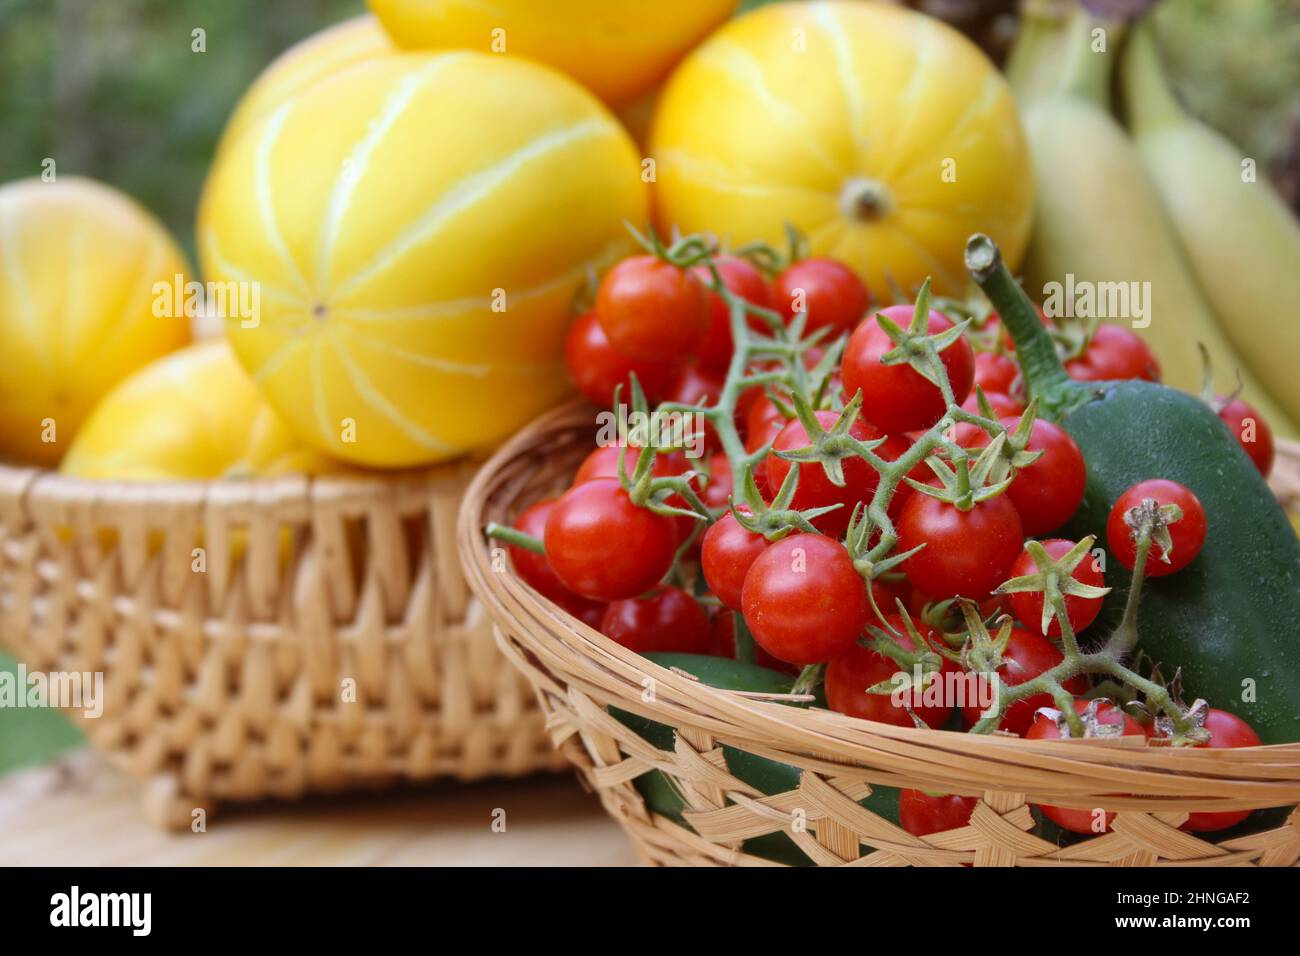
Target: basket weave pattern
x=330 y=641
x=578 y=674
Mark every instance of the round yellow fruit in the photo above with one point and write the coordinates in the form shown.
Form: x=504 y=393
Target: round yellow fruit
x=885 y=136
x=318 y=56
x=78 y=266
x=194 y=414
x=618 y=49
x=417 y=227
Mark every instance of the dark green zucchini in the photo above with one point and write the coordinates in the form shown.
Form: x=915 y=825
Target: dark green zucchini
x=1231 y=619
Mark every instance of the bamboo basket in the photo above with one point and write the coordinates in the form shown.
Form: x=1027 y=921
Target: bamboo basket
x=578 y=674
x=329 y=641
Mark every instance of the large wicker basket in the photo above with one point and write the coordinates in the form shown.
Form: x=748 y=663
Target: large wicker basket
x=327 y=640
x=579 y=674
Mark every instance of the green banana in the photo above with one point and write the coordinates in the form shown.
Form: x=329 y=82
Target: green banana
x=1099 y=219
x=1240 y=237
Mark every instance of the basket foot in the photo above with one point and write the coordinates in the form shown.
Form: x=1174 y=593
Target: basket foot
x=168 y=808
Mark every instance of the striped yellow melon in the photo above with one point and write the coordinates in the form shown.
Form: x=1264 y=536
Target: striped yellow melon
x=884 y=135
x=418 y=225
x=618 y=49
x=78 y=265
x=194 y=414
x=303 y=64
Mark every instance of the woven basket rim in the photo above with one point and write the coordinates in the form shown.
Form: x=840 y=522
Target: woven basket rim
x=562 y=654
x=68 y=486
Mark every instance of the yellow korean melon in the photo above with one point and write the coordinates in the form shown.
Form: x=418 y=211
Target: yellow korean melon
x=78 y=265
x=618 y=49
x=314 y=58
x=194 y=414
x=418 y=226
x=884 y=135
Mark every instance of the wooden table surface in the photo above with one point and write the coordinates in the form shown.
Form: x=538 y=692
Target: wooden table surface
x=79 y=812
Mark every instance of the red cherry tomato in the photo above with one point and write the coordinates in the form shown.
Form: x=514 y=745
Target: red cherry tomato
x=1027 y=655
x=1226 y=731
x=1252 y=432
x=966 y=553
x=897 y=398
x=728 y=552
x=763 y=421
x=697 y=385
x=652 y=310
x=1046 y=727
x=604 y=547
x=921 y=813
x=597 y=368
x=741 y=277
x=602 y=462
x=1004 y=406
x=849 y=675
x=1028 y=606
x=665 y=620
x=815 y=489
x=827 y=290
x=1048 y=492
x=535 y=570
x=720 y=485
x=803 y=600
x=1187 y=534
x=724 y=644
x=996 y=372
x=1114 y=353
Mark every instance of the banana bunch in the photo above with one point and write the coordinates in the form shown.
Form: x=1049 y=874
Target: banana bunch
x=1166 y=208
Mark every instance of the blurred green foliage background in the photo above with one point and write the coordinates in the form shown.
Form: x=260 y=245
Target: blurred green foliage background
x=112 y=89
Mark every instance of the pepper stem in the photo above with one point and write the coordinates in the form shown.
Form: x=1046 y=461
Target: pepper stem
x=1044 y=374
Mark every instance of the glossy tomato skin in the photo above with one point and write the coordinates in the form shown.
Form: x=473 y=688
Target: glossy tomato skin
x=696 y=385
x=1114 y=353
x=850 y=674
x=743 y=278
x=832 y=295
x=921 y=813
x=602 y=462
x=724 y=644
x=803 y=600
x=763 y=422
x=897 y=398
x=535 y=570
x=651 y=310
x=1044 y=727
x=1003 y=405
x=604 y=547
x=720 y=485
x=1048 y=492
x=1028 y=606
x=597 y=368
x=1253 y=433
x=728 y=552
x=1226 y=731
x=665 y=620
x=966 y=553
x=815 y=489
x=996 y=372
x=1187 y=534
x=1027 y=655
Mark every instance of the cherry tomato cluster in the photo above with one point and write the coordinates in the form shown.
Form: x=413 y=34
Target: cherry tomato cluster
x=877 y=478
